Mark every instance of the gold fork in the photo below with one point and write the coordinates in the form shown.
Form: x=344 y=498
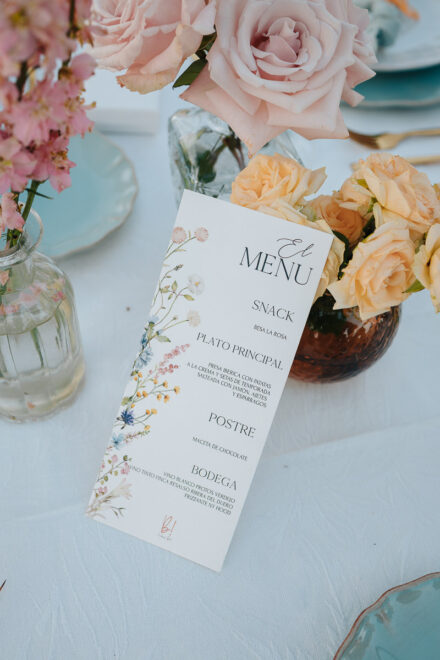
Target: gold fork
x=416 y=160
x=390 y=140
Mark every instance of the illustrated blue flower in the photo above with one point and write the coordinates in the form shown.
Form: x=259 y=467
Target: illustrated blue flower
x=127 y=417
x=143 y=358
x=118 y=439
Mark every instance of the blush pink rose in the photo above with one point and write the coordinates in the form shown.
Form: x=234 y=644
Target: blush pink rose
x=279 y=64
x=149 y=38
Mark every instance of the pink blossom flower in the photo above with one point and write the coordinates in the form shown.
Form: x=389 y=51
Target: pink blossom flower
x=201 y=234
x=178 y=235
x=53 y=163
x=10 y=217
x=102 y=490
x=39 y=112
x=283 y=64
x=114 y=458
x=16 y=165
x=125 y=469
x=30 y=30
x=4 y=277
x=149 y=38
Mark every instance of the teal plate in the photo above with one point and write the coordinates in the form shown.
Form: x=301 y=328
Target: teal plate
x=404 y=624
x=408 y=89
x=101 y=197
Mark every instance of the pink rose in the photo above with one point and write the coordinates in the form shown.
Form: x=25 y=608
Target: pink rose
x=149 y=38
x=279 y=64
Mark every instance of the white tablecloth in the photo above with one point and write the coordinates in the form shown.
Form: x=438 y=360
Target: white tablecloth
x=343 y=507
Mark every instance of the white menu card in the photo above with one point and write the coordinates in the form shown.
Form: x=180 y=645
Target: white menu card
x=228 y=313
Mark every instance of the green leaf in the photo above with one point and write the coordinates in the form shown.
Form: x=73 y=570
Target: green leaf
x=39 y=194
x=125 y=400
x=174 y=286
x=208 y=41
x=162 y=338
x=369 y=227
x=190 y=74
x=188 y=297
x=415 y=287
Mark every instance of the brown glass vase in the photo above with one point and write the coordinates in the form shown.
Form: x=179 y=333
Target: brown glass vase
x=337 y=345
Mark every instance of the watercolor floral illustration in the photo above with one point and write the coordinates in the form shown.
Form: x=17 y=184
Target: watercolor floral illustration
x=153 y=383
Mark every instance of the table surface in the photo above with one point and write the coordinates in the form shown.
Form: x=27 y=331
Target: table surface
x=344 y=504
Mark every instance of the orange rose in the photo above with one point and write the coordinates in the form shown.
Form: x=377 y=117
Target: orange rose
x=379 y=273
x=269 y=178
x=399 y=189
x=427 y=265
x=339 y=216
x=281 y=209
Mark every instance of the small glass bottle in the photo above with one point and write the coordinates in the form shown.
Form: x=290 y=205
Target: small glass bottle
x=41 y=361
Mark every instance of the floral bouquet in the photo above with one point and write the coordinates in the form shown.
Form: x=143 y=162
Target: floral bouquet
x=41 y=104
x=259 y=66
x=386 y=225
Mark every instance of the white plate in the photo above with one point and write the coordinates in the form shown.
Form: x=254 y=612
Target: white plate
x=418 y=43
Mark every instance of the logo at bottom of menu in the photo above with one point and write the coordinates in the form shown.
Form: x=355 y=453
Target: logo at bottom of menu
x=167 y=528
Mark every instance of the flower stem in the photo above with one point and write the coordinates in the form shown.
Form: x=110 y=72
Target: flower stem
x=30 y=199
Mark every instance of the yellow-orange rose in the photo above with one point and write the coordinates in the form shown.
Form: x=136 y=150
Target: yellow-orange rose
x=399 y=188
x=427 y=265
x=379 y=273
x=339 y=216
x=269 y=178
x=282 y=209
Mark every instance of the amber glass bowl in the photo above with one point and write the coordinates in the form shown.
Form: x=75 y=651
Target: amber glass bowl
x=337 y=345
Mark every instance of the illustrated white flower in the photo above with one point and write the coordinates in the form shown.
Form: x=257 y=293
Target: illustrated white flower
x=193 y=318
x=122 y=490
x=196 y=284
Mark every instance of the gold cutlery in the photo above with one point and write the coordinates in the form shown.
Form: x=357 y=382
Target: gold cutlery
x=390 y=140
x=416 y=160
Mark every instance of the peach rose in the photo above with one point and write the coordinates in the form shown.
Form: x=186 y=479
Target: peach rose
x=379 y=273
x=427 y=265
x=400 y=189
x=279 y=64
x=339 y=216
x=149 y=38
x=269 y=178
x=282 y=209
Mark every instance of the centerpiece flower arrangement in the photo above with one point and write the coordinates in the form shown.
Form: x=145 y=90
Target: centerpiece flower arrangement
x=41 y=108
x=386 y=224
x=259 y=67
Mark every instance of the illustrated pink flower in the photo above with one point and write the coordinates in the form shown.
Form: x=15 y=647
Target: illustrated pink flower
x=16 y=165
x=149 y=38
x=10 y=217
x=125 y=469
x=282 y=64
x=114 y=458
x=178 y=235
x=201 y=234
x=102 y=490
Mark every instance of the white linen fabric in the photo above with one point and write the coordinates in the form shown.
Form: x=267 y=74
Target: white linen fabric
x=343 y=507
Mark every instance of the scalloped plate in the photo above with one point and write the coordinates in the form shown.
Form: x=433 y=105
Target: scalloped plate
x=403 y=624
x=100 y=199
x=418 y=43
x=411 y=89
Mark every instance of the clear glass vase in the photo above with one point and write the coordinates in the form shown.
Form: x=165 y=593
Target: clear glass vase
x=41 y=361
x=206 y=156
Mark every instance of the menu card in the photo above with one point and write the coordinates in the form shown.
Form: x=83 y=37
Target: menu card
x=230 y=306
